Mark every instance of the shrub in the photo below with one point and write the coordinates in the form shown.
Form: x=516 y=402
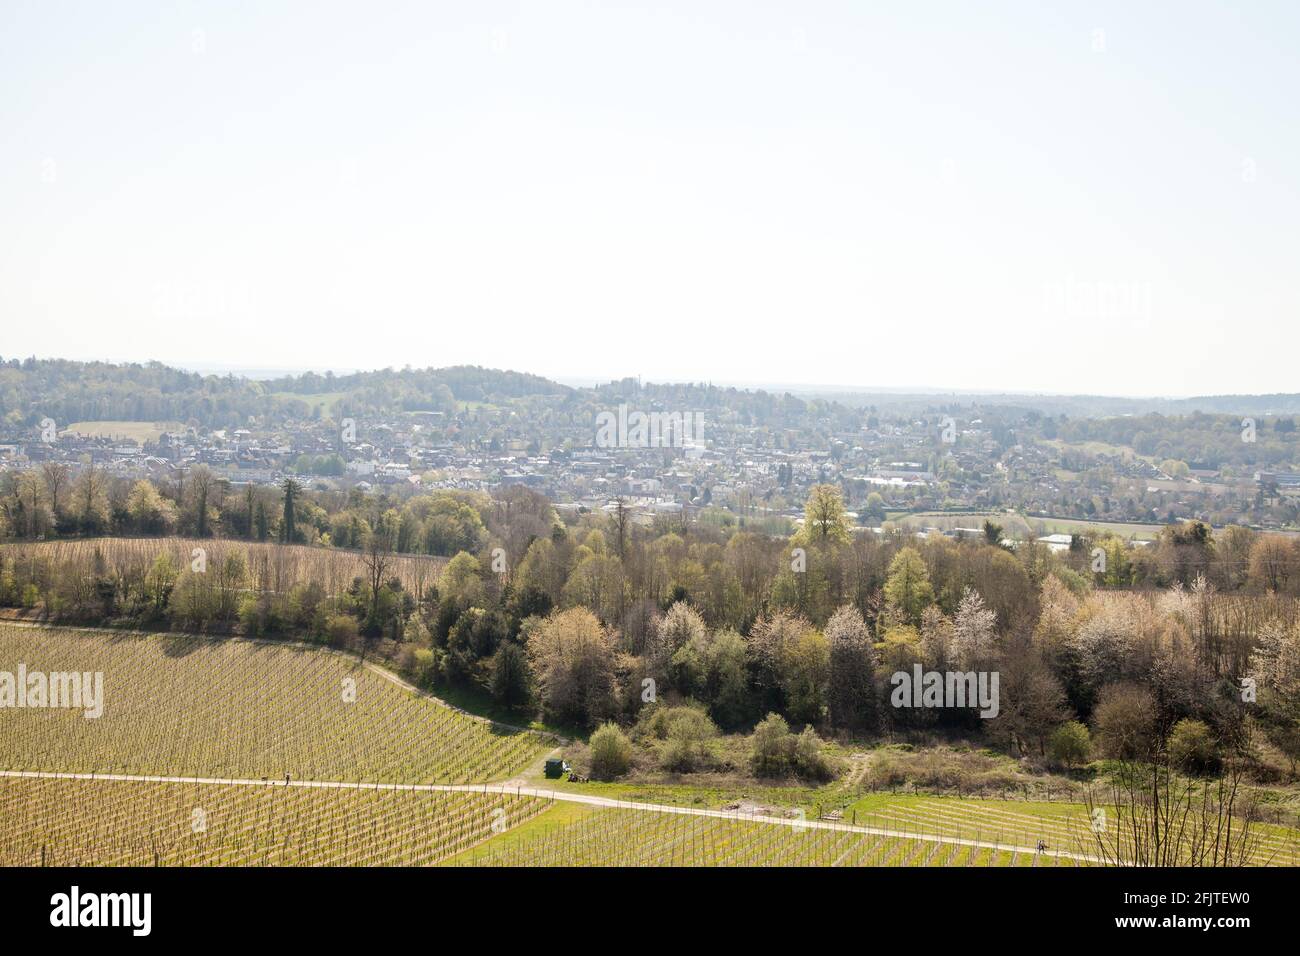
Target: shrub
x=1125 y=721
x=776 y=752
x=689 y=736
x=418 y=664
x=611 y=752
x=770 y=749
x=1192 y=746
x=305 y=599
x=342 y=631
x=260 y=615
x=942 y=768
x=1071 y=744
x=807 y=759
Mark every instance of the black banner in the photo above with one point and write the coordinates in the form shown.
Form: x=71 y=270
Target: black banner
x=917 y=906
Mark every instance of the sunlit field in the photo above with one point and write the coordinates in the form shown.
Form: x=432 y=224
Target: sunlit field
x=51 y=822
x=192 y=706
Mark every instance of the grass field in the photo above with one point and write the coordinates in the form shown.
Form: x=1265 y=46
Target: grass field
x=136 y=431
x=1098 y=448
x=1023 y=526
x=191 y=706
x=1125 y=529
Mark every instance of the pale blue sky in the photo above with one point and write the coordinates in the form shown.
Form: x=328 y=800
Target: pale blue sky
x=1071 y=197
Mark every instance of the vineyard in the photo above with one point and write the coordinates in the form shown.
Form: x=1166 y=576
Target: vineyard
x=54 y=822
x=273 y=568
x=625 y=837
x=310 y=757
x=190 y=706
x=1066 y=826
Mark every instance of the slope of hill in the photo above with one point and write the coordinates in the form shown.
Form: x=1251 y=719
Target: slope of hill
x=191 y=706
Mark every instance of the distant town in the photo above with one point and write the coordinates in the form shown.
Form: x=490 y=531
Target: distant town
x=752 y=460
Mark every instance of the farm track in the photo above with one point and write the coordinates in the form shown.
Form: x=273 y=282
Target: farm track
x=564 y=797
x=452 y=753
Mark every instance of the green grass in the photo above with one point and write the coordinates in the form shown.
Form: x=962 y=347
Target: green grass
x=694 y=795
x=1018 y=525
x=1125 y=529
x=478 y=701
x=1099 y=448
x=549 y=824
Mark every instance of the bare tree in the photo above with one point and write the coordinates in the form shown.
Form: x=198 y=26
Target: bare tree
x=27 y=491
x=620 y=519
x=56 y=479
x=201 y=483
x=90 y=499
x=376 y=556
x=1162 y=817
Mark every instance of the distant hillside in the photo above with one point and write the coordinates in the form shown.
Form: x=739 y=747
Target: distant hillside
x=1071 y=406
x=68 y=391
x=466 y=383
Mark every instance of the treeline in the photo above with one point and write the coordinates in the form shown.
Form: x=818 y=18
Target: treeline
x=572 y=633
x=622 y=568
x=219 y=587
x=55 y=501
x=605 y=618
x=597 y=620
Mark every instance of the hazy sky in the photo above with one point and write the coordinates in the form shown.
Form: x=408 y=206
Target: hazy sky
x=1076 y=197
